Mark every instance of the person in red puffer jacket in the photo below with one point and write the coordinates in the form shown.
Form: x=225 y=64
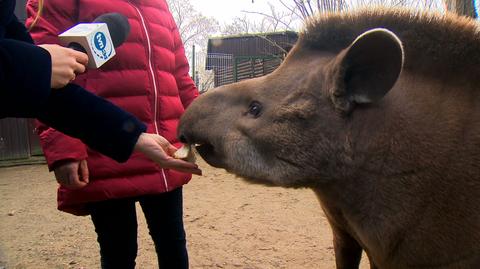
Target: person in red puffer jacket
x=149 y=78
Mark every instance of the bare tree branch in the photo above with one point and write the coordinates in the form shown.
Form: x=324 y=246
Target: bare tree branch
x=194 y=28
x=268 y=16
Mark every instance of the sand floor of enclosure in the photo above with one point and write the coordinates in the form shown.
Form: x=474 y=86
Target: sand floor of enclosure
x=229 y=224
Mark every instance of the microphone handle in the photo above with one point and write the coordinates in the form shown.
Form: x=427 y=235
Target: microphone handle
x=77 y=47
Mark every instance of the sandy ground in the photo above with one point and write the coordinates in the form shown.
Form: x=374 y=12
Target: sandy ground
x=229 y=224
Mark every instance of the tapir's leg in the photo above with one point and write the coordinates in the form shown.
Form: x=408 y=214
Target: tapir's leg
x=347 y=251
x=372 y=265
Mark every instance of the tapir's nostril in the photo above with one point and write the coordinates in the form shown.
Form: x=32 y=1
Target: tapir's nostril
x=183 y=139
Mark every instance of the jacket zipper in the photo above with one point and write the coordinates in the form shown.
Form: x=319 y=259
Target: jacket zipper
x=150 y=67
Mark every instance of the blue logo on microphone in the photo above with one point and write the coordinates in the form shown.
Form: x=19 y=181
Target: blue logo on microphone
x=100 y=41
x=102 y=48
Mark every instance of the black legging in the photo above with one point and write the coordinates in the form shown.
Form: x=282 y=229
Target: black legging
x=116 y=226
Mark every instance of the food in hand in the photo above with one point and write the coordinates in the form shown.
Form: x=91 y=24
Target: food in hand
x=185 y=153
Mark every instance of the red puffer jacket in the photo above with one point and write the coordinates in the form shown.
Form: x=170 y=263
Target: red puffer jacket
x=148 y=77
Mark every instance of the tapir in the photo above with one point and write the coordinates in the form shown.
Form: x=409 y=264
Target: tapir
x=378 y=112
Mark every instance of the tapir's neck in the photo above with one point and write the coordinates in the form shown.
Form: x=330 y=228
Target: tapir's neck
x=400 y=154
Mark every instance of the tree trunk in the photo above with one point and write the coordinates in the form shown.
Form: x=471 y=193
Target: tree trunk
x=462 y=7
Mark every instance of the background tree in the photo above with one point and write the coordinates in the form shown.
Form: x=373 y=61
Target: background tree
x=462 y=7
x=290 y=14
x=194 y=27
x=282 y=15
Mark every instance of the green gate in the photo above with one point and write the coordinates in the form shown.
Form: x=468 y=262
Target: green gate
x=247 y=67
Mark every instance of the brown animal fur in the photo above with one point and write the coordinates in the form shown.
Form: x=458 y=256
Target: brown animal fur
x=433 y=42
x=394 y=158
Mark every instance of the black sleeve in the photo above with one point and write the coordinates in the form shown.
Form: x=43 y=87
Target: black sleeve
x=25 y=74
x=98 y=123
x=17 y=30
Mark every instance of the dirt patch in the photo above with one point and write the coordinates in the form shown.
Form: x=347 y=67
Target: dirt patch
x=229 y=224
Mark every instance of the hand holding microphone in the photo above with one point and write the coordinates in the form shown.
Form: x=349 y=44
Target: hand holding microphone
x=90 y=44
x=99 y=38
x=66 y=63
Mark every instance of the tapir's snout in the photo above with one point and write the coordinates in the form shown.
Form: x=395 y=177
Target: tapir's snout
x=195 y=128
x=186 y=135
x=204 y=147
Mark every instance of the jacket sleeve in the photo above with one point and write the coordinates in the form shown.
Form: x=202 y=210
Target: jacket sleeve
x=56 y=146
x=76 y=112
x=186 y=86
x=100 y=124
x=25 y=72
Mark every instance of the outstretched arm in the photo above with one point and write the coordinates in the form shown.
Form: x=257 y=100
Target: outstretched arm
x=106 y=128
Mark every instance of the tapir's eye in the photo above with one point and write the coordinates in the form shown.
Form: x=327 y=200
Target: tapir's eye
x=255 y=109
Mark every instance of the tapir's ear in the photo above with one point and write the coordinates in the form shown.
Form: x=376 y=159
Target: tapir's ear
x=368 y=68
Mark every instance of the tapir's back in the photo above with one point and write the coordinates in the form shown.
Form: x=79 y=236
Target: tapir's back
x=434 y=44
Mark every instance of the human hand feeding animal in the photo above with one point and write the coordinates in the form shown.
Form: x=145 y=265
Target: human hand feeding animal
x=74 y=174
x=158 y=149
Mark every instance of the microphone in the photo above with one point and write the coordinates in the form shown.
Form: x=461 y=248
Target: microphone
x=99 y=38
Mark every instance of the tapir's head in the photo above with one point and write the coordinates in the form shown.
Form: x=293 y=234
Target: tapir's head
x=290 y=128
